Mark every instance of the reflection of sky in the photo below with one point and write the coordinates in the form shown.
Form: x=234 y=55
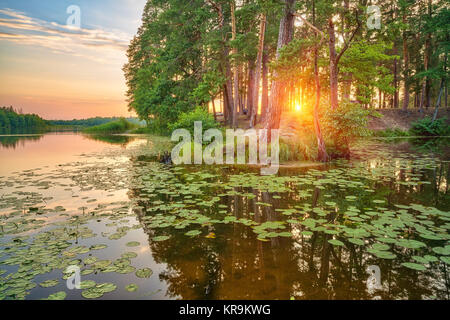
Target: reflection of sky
x=61 y=73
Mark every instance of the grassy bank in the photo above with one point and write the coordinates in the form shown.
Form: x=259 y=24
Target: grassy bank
x=114 y=127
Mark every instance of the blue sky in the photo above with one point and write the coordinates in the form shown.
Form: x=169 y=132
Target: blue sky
x=51 y=69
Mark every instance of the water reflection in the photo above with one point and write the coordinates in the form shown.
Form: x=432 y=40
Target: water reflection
x=112 y=139
x=12 y=142
x=236 y=265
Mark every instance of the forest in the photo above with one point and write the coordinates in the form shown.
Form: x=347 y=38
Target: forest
x=253 y=60
x=12 y=121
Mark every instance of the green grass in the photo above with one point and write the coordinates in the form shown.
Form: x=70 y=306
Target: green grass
x=114 y=127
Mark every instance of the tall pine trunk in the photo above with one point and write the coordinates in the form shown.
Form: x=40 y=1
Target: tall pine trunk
x=406 y=70
x=333 y=66
x=236 y=70
x=276 y=100
x=265 y=86
x=259 y=62
x=321 y=148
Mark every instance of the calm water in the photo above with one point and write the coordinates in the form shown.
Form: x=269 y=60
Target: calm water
x=221 y=232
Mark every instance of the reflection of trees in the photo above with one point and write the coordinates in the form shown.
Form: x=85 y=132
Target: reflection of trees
x=112 y=139
x=12 y=142
x=235 y=265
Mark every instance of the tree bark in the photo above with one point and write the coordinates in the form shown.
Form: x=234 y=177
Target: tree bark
x=395 y=100
x=236 y=70
x=265 y=86
x=406 y=71
x=438 y=103
x=333 y=66
x=259 y=61
x=250 y=87
x=276 y=100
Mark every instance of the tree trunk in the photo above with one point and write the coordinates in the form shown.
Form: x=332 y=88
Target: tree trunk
x=265 y=86
x=214 y=108
x=333 y=66
x=347 y=86
x=438 y=103
x=406 y=71
x=427 y=54
x=250 y=87
x=259 y=61
x=276 y=100
x=236 y=70
x=321 y=148
x=395 y=100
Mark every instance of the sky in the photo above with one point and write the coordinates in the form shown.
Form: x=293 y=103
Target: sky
x=50 y=67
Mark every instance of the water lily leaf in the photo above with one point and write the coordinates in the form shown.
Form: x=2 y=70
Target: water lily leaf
x=144 y=273
x=132 y=287
x=57 y=296
x=336 y=242
x=133 y=244
x=129 y=255
x=414 y=266
x=358 y=242
x=193 y=233
x=87 y=284
x=49 y=283
x=161 y=238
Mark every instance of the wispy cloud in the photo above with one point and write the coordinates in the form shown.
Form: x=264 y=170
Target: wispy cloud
x=105 y=46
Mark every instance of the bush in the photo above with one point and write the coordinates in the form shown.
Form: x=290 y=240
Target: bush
x=428 y=127
x=391 y=133
x=186 y=121
x=119 y=126
x=344 y=125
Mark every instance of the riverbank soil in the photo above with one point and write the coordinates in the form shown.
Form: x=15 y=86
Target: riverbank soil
x=399 y=119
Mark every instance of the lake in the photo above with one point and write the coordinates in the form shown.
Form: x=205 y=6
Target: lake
x=375 y=227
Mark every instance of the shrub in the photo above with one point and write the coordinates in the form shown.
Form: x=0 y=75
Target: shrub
x=428 y=127
x=114 y=127
x=186 y=121
x=344 y=125
x=391 y=133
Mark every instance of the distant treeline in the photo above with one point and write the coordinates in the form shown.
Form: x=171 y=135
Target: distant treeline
x=13 y=122
x=92 y=122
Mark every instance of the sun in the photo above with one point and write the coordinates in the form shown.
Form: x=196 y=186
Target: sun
x=298 y=107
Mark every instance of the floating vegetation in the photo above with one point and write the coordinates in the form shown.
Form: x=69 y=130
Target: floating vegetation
x=387 y=209
x=144 y=273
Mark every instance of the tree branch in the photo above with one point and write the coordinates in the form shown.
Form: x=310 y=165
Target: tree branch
x=347 y=43
x=312 y=27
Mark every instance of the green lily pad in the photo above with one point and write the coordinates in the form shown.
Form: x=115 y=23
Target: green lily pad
x=144 y=273
x=133 y=244
x=57 y=296
x=335 y=242
x=414 y=266
x=49 y=283
x=132 y=287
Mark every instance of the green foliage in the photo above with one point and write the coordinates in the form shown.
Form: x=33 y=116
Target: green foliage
x=165 y=59
x=363 y=60
x=119 y=126
x=428 y=127
x=391 y=133
x=13 y=122
x=186 y=120
x=345 y=124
